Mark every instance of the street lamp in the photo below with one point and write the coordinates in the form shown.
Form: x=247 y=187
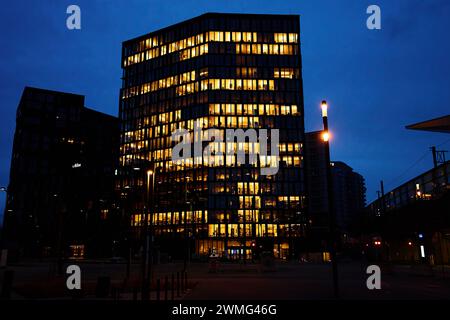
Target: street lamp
x=5 y=190
x=331 y=213
x=324 y=107
x=150 y=173
x=148 y=242
x=189 y=202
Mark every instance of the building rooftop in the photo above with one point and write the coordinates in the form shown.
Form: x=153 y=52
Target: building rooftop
x=441 y=124
x=208 y=15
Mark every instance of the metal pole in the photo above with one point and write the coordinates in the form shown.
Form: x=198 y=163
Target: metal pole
x=178 y=284
x=182 y=281
x=128 y=259
x=145 y=236
x=331 y=213
x=185 y=225
x=158 y=289
x=166 y=288
x=173 y=287
x=150 y=229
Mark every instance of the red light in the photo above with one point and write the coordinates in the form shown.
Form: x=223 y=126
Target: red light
x=377 y=243
x=409 y=243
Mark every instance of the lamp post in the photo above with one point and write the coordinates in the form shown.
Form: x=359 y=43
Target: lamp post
x=3 y=252
x=186 y=235
x=150 y=173
x=147 y=232
x=331 y=213
x=5 y=190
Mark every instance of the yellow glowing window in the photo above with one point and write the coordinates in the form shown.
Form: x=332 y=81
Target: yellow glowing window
x=248 y=230
x=260 y=230
x=273 y=49
x=280 y=37
x=247 y=36
x=213 y=230
x=284 y=73
x=203 y=72
x=272 y=230
x=236 y=36
x=233 y=230
x=256 y=49
x=293 y=37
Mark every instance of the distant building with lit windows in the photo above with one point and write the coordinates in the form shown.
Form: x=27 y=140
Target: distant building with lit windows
x=349 y=191
x=61 y=185
x=227 y=71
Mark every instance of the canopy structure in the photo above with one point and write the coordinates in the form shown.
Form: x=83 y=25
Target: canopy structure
x=441 y=124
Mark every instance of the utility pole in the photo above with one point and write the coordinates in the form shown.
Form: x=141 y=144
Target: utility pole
x=433 y=151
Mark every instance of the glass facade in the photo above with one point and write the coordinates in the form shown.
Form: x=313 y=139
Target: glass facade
x=222 y=71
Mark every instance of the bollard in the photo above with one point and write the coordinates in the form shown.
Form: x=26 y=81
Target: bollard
x=166 y=288
x=135 y=293
x=103 y=287
x=173 y=287
x=178 y=284
x=8 y=277
x=145 y=295
x=158 y=289
x=182 y=281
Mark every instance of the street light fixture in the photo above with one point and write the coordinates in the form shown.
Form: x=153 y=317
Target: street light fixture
x=331 y=213
x=324 y=107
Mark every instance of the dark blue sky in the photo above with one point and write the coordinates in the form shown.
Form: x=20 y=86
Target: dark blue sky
x=375 y=81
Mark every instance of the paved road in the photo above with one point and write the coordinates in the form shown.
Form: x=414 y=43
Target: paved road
x=236 y=281
x=309 y=282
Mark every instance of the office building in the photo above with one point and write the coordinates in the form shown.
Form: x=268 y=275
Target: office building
x=218 y=71
x=61 y=187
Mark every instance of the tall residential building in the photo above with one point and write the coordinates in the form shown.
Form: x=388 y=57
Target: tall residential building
x=62 y=177
x=349 y=191
x=220 y=71
x=316 y=181
x=349 y=195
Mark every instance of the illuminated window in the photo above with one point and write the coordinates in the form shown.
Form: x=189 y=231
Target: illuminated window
x=77 y=251
x=203 y=72
x=233 y=230
x=284 y=73
x=280 y=37
x=293 y=37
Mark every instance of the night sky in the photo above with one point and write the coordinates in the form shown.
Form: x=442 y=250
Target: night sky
x=376 y=81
